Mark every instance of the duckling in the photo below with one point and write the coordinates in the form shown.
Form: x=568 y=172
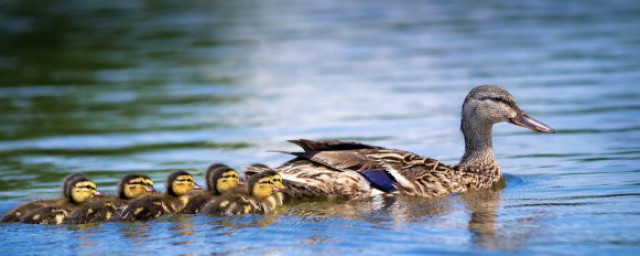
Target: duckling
x=220 y=179
x=256 y=198
x=179 y=185
x=15 y=214
x=78 y=189
x=131 y=186
x=277 y=198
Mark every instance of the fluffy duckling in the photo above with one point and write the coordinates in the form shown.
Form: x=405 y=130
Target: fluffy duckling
x=277 y=198
x=256 y=198
x=22 y=210
x=220 y=179
x=77 y=189
x=179 y=185
x=131 y=186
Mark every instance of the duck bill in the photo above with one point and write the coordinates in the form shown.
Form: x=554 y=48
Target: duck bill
x=151 y=189
x=277 y=189
x=196 y=186
x=524 y=120
x=98 y=194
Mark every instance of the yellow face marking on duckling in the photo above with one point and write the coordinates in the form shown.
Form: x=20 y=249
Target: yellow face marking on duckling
x=227 y=181
x=277 y=181
x=263 y=188
x=138 y=187
x=83 y=191
x=182 y=185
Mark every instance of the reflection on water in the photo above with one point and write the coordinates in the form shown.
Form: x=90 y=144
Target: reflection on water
x=115 y=87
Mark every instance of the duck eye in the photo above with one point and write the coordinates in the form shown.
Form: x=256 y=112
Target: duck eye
x=501 y=100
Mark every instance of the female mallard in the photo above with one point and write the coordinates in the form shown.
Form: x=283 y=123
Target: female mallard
x=220 y=179
x=179 y=184
x=349 y=170
x=131 y=186
x=77 y=189
x=257 y=197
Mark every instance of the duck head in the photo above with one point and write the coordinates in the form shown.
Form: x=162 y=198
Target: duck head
x=490 y=104
x=180 y=183
x=262 y=185
x=78 y=188
x=135 y=185
x=483 y=107
x=221 y=179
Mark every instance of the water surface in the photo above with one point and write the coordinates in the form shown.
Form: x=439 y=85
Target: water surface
x=109 y=88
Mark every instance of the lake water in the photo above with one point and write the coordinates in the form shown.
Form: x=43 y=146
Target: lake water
x=109 y=88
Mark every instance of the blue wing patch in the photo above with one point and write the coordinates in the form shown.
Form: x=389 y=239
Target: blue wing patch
x=380 y=179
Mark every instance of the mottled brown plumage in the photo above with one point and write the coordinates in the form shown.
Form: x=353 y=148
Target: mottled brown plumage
x=336 y=169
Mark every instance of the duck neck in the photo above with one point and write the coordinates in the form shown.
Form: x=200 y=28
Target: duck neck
x=478 y=158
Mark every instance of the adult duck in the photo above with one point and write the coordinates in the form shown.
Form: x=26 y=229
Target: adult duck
x=350 y=170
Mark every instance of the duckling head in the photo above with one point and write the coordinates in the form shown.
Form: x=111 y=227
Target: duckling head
x=486 y=105
x=221 y=179
x=262 y=185
x=180 y=183
x=78 y=188
x=277 y=181
x=135 y=185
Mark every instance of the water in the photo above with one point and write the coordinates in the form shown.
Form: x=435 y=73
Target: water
x=109 y=88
